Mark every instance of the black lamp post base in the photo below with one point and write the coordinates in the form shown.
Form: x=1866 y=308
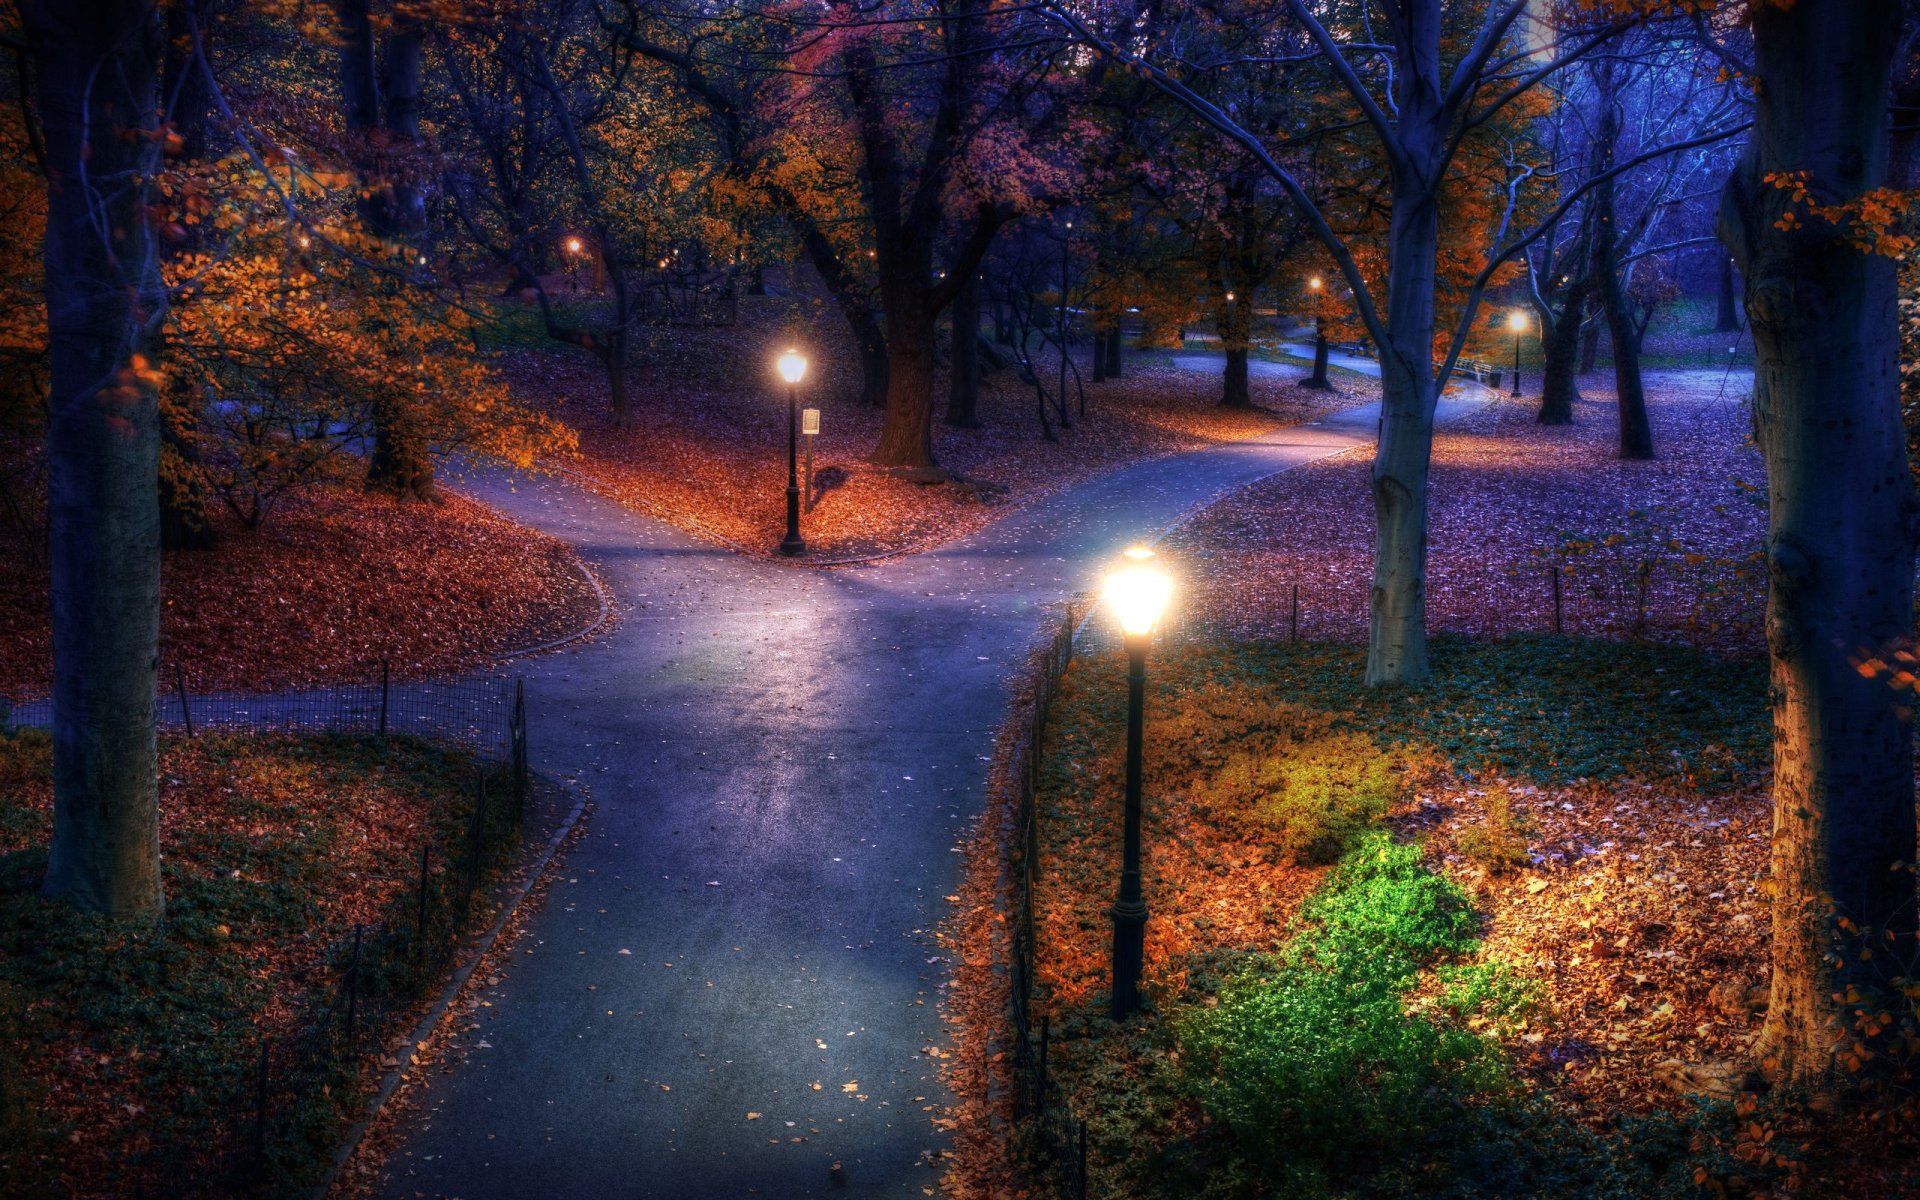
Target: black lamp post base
x=1129 y=956
x=793 y=546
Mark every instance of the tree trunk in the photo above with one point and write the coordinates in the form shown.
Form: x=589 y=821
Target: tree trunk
x=1236 y=334
x=1318 y=380
x=1559 y=386
x=96 y=100
x=615 y=361
x=402 y=463
x=1397 y=622
x=1636 y=432
x=963 y=384
x=906 y=429
x=1100 y=356
x=1728 y=318
x=1233 y=391
x=1114 y=358
x=1589 y=346
x=1841 y=513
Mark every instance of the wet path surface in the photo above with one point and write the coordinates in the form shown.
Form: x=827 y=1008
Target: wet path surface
x=784 y=763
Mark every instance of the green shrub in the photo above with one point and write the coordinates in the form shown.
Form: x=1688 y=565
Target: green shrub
x=1312 y=1059
x=1381 y=908
x=1315 y=796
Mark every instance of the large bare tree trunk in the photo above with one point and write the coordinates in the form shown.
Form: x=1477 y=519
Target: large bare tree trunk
x=963 y=383
x=97 y=97
x=1236 y=335
x=1636 y=431
x=1397 y=627
x=906 y=428
x=1559 y=386
x=1841 y=514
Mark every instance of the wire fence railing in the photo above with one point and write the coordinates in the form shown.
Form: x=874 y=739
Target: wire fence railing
x=375 y=973
x=1055 y=1138
x=277 y=1116
x=475 y=712
x=1667 y=600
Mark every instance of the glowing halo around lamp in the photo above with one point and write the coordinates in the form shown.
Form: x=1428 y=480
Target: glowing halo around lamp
x=793 y=366
x=1314 y=283
x=1137 y=593
x=1517 y=321
x=573 y=245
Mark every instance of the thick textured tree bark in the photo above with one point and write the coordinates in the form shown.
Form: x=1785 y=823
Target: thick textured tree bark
x=1559 y=385
x=1114 y=358
x=1841 y=520
x=1318 y=380
x=963 y=383
x=906 y=428
x=1397 y=625
x=97 y=92
x=1636 y=431
x=1727 y=320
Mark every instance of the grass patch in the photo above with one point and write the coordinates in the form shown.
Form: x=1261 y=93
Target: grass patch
x=1540 y=709
x=139 y=1047
x=1345 y=1032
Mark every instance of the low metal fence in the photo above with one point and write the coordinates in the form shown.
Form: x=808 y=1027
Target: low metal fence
x=373 y=973
x=476 y=712
x=1047 y=1126
x=1660 y=600
x=378 y=972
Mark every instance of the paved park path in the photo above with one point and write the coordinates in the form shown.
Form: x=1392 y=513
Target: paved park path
x=784 y=763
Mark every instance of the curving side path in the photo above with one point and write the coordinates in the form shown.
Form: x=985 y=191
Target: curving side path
x=784 y=763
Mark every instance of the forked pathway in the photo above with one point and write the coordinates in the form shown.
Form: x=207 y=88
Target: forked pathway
x=784 y=764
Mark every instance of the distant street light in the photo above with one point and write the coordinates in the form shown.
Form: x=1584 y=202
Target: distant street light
x=793 y=367
x=1137 y=593
x=575 y=248
x=1518 y=323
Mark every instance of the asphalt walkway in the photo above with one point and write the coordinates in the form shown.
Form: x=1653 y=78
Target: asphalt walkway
x=784 y=764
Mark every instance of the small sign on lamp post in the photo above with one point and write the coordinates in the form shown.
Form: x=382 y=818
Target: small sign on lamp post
x=810 y=429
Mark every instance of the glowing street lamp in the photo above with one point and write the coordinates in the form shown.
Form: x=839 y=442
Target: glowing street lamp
x=1518 y=323
x=574 y=248
x=793 y=367
x=1137 y=594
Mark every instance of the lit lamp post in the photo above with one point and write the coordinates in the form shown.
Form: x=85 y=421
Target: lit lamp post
x=793 y=366
x=1319 y=379
x=809 y=429
x=1137 y=593
x=574 y=247
x=1518 y=323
